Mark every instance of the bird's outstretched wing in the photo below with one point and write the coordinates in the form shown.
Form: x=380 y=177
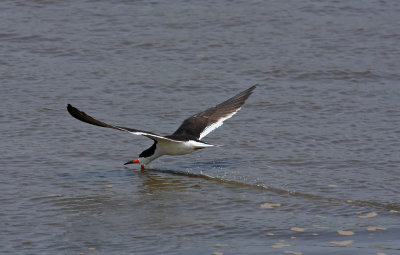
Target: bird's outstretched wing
x=82 y=116
x=202 y=123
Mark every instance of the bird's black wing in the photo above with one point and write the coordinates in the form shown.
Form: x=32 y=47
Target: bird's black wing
x=202 y=123
x=82 y=116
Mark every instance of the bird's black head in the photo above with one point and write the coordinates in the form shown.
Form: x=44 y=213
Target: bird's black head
x=149 y=152
x=145 y=154
x=145 y=157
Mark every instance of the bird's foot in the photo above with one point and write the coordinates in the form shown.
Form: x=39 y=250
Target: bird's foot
x=142 y=168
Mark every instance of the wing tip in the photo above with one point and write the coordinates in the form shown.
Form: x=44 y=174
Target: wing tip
x=72 y=110
x=249 y=91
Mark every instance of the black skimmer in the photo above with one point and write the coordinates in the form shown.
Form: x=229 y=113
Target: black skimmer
x=187 y=138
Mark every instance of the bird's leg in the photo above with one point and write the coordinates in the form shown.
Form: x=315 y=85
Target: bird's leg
x=142 y=168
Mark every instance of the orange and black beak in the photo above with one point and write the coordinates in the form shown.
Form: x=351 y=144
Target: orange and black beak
x=135 y=161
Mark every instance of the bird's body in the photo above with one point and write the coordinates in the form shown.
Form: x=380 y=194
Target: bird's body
x=187 y=138
x=172 y=148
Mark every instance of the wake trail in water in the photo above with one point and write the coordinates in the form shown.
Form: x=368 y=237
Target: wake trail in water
x=361 y=203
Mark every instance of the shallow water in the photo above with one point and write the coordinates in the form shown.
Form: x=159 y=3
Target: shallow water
x=310 y=164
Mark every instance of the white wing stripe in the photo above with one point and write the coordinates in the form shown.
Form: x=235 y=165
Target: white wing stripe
x=156 y=137
x=216 y=125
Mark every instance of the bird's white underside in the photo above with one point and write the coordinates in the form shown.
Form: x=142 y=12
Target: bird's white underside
x=171 y=147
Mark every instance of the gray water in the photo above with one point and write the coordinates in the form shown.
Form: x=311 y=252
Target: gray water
x=311 y=163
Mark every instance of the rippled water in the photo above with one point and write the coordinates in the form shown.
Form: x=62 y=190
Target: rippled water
x=310 y=164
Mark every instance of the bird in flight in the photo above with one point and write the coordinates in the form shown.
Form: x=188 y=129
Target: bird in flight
x=187 y=138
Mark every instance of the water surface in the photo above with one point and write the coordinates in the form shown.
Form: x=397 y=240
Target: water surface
x=310 y=164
